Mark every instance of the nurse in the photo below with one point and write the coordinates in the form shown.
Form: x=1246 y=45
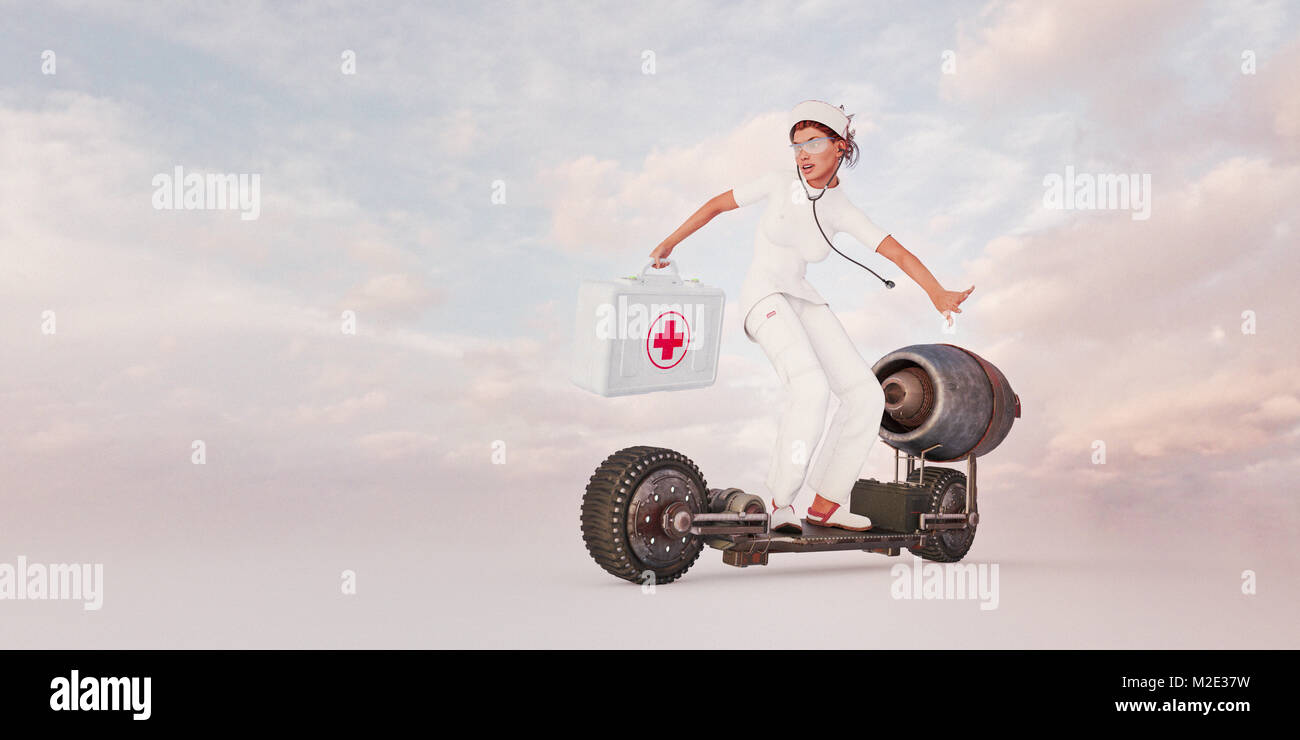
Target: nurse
x=808 y=347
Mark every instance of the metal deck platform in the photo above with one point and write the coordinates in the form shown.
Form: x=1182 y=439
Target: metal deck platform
x=753 y=549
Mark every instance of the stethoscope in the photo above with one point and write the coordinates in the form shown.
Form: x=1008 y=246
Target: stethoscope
x=888 y=283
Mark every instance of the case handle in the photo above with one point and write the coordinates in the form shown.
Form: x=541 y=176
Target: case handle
x=674 y=276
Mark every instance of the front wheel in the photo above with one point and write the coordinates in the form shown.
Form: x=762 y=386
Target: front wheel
x=633 y=514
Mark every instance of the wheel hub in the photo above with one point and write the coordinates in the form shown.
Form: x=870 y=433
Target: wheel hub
x=677 y=520
x=659 y=515
x=954 y=502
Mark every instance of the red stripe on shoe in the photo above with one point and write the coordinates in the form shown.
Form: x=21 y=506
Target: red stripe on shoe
x=820 y=516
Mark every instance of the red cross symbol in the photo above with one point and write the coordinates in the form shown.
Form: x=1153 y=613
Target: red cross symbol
x=668 y=339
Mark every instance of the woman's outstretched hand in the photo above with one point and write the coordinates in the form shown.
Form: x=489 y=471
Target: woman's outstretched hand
x=949 y=300
x=659 y=254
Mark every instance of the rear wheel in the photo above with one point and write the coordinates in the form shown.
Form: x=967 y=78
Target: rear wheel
x=947 y=496
x=634 y=514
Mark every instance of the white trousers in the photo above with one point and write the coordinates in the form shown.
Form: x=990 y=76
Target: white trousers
x=813 y=356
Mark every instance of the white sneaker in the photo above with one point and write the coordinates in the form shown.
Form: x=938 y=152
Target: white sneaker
x=785 y=520
x=830 y=514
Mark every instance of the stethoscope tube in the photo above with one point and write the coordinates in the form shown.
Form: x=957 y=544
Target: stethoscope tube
x=888 y=283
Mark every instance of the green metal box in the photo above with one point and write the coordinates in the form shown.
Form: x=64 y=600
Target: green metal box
x=893 y=506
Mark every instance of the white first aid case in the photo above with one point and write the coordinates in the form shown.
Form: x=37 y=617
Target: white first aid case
x=648 y=332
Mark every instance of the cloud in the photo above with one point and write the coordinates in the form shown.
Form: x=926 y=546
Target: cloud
x=343 y=411
x=595 y=203
x=1100 y=275
x=1022 y=48
x=394 y=294
x=398 y=444
x=1268 y=114
x=182 y=325
x=59 y=436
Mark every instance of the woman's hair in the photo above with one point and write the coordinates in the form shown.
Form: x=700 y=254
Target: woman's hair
x=850 y=152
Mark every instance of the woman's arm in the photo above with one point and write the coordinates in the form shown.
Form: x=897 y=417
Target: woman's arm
x=717 y=204
x=944 y=300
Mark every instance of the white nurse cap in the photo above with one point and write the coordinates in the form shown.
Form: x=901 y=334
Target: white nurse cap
x=823 y=113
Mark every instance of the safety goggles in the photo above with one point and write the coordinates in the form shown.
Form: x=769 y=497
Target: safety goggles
x=812 y=146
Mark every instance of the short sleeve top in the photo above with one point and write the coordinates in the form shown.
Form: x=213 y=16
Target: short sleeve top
x=788 y=238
